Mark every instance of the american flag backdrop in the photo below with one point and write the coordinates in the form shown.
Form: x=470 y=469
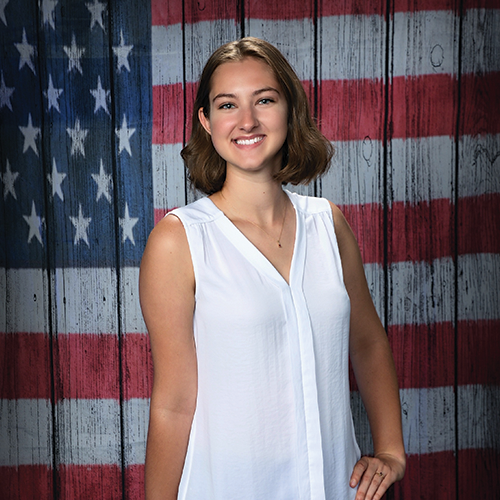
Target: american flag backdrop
x=95 y=104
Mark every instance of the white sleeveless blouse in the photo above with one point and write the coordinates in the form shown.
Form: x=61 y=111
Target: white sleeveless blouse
x=273 y=418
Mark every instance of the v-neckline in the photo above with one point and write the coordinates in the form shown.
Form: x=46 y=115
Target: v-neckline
x=251 y=252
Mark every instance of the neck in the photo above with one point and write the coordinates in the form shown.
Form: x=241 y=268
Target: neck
x=261 y=201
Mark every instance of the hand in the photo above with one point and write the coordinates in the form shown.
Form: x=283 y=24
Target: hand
x=375 y=474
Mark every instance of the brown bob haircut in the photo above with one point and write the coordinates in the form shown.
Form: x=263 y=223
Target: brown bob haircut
x=306 y=152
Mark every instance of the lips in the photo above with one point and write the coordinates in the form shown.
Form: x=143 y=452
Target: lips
x=249 y=141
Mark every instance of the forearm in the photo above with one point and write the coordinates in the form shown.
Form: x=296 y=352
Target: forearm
x=375 y=374
x=167 y=443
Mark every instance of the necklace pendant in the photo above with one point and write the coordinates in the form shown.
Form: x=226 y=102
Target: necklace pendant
x=279 y=244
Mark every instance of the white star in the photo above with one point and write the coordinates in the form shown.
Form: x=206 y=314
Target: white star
x=26 y=52
x=124 y=134
x=100 y=96
x=74 y=53
x=8 y=180
x=35 y=223
x=5 y=94
x=81 y=224
x=96 y=10
x=52 y=94
x=121 y=52
x=104 y=183
x=77 y=135
x=47 y=7
x=3 y=4
x=127 y=223
x=30 y=134
x=55 y=180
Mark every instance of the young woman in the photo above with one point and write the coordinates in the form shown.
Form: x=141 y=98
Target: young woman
x=254 y=298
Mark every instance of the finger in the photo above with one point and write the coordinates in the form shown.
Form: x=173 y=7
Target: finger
x=377 y=486
x=358 y=471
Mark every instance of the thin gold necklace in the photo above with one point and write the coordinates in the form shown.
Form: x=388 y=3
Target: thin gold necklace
x=278 y=241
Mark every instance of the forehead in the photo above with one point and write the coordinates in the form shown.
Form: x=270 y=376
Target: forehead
x=249 y=72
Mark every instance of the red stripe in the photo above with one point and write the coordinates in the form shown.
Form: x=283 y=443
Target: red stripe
x=430 y=477
x=479 y=473
x=210 y=10
x=165 y=13
x=26 y=482
x=424 y=355
x=351 y=110
x=421 y=5
x=479 y=223
x=159 y=213
x=421 y=232
x=283 y=10
x=134 y=482
x=137 y=366
x=77 y=482
x=353 y=7
x=423 y=106
x=479 y=352
x=366 y=221
x=168 y=113
x=480 y=104
x=87 y=366
x=26 y=367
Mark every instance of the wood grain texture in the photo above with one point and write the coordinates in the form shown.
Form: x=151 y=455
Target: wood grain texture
x=424 y=61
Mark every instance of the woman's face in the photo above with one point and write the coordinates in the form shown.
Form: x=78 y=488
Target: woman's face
x=248 y=116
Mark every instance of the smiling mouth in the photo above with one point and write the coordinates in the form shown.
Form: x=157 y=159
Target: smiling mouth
x=248 y=142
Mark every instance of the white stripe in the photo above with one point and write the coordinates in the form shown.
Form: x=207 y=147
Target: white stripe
x=356 y=174
x=131 y=315
x=89 y=431
x=351 y=47
x=136 y=420
x=202 y=39
x=428 y=418
x=478 y=282
x=481 y=45
x=478 y=422
x=422 y=292
x=422 y=169
x=85 y=300
x=25 y=305
x=91 y=427
x=425 y=43
x=166 y=54
x=25 y=432
x=168 y=176
x=479 y=165
x=293 y=38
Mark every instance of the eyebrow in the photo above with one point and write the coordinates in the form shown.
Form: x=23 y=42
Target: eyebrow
x=233 y=96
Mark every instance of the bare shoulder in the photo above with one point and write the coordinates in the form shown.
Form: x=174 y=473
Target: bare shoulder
x=166 y=273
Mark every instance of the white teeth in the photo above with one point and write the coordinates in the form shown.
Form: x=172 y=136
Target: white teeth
x=247 y=142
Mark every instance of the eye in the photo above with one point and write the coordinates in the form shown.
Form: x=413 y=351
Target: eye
x=226 y=105
x=266 y=100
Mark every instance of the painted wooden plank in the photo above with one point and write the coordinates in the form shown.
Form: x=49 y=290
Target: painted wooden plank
x=478 y=297
x=423 y=58
x=27 y=450
x=169 y=182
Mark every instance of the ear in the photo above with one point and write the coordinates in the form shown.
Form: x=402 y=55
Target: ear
x=205 y=122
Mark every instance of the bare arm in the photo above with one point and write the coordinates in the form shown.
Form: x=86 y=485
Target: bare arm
x=167 y=300
x=373 y=367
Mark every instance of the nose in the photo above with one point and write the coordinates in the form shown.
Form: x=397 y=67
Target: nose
x=248 y=118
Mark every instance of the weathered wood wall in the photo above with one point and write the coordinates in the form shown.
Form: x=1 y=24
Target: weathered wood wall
x=409 y=93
